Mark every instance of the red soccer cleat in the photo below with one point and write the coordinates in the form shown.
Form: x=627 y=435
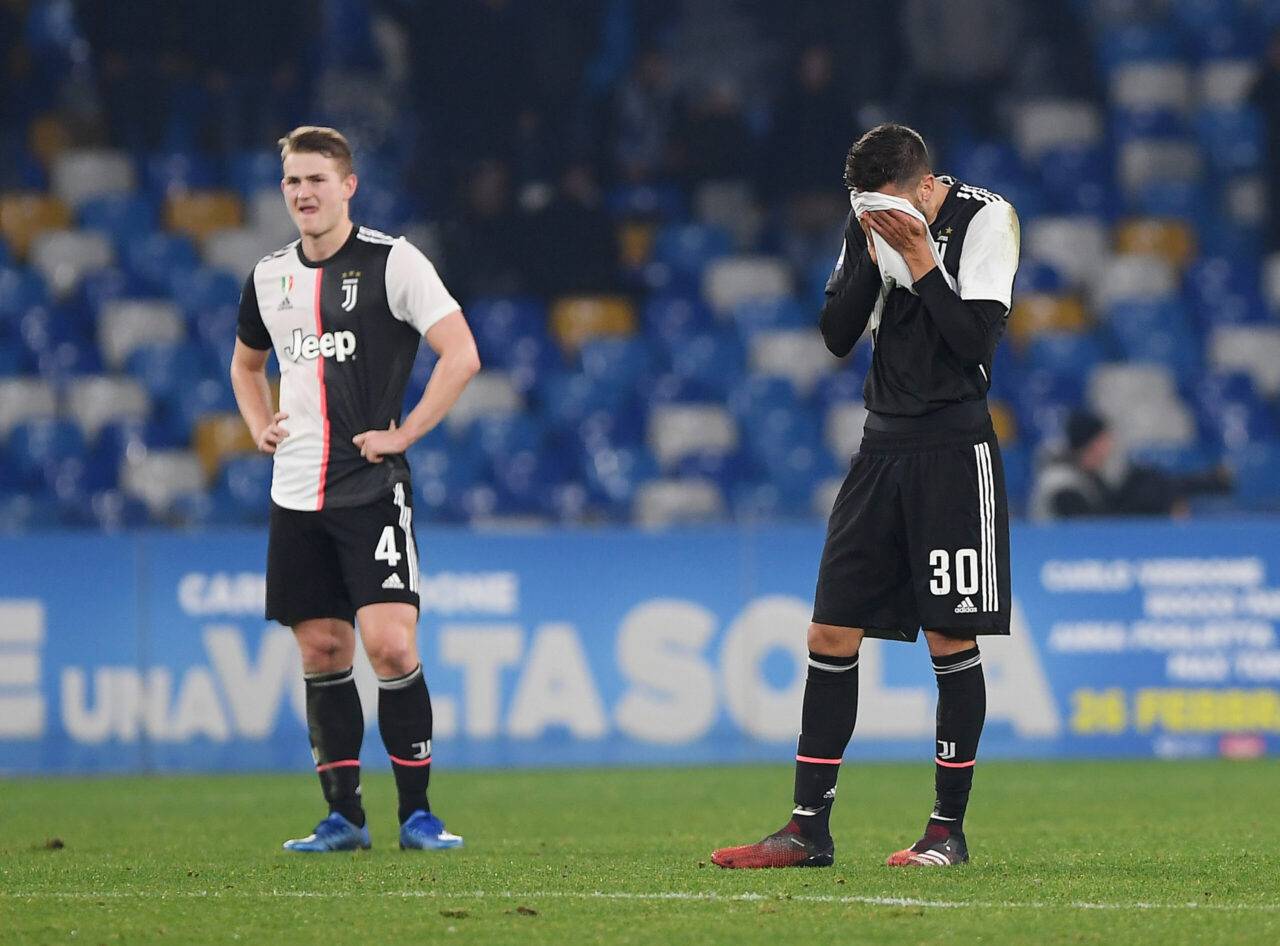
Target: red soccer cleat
x=784 y=848
x=938 y=848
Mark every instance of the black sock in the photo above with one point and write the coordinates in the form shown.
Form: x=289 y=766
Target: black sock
x=404 y=717
x=962 y=708
x=830 y=710
x=335 y=723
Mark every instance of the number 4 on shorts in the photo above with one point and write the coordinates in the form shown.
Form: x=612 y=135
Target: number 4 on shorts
x=386 y=550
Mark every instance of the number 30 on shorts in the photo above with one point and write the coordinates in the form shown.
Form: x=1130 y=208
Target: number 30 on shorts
x=386 y=550
x=966 y=571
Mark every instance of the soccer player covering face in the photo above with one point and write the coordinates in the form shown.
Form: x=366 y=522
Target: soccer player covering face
x=919 y=535
x=345 y=308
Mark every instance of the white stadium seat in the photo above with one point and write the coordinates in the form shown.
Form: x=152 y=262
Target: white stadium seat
x=729 y=206
x=23 y=399
x=1043 y=124
x=1074 y=246
x=799 y=355
x=1271 y=282
x=97 y=400
x=80 y=174
x=62 y=257
x=489 y=393
x=128 y=324
x=1246 y=200
x=1152 y=85
x=733 y=279
x=842 y=428
x=1145 y=160
x=1225 y=83
x=239 y=249
x=661 y=503
x=269 y=219
x=680 y=430
x=158 y=477
x=1134 y=277
x=1141 y=405
x=1252 y=349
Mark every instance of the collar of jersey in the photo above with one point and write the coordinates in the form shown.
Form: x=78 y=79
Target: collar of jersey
x=302 y=257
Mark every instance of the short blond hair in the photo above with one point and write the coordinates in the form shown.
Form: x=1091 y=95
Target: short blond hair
x=316 y=139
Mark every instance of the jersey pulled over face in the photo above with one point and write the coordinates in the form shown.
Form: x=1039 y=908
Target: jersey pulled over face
x=345 y=332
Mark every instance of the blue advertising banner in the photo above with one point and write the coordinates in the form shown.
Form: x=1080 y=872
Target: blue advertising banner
x=150 y=652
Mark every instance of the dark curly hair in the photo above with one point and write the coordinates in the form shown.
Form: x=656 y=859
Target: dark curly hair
x=887 y=154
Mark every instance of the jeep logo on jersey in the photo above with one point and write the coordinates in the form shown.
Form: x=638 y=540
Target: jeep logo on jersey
x=350 y=289
x=337 y=345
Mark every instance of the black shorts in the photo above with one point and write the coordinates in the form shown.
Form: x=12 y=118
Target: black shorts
x=329 y=564
x=919 y=536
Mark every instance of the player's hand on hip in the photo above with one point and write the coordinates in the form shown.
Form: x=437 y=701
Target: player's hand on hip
x=376 y=444
x=273 y=433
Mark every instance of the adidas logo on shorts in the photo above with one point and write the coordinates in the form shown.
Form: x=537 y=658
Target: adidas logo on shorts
x=393 y=581
x=964 y=607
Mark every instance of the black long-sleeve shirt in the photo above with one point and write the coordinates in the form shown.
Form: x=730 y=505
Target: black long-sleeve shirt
x=933 y=347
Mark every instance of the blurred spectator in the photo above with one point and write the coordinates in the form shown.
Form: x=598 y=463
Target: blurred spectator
x=573 y=247
x=645 y=110
x=812 y=129
x=1265 y=96
x=715 y=141
x=486 y=244
x=1091 y=477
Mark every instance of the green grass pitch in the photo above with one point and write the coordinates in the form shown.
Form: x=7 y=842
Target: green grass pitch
x=1104 y=852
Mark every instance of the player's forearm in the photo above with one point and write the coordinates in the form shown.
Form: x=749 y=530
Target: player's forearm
x=448 y=379
x=963 y=325
x=253 y=397
x=848 y=307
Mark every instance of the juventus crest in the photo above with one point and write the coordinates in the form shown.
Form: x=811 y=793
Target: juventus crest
x=350 y=290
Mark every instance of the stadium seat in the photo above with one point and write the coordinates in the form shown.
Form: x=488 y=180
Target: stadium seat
x=1075 y=246
x=173 y=172
x=1035 y=313
x=245 y=482
x=764 y=314
x=1141 y=405
x=671 y=319
x=1041 y=125
x=624 y=362
x=501 y=436
x=1071 y=354
x=732 y=280
x=95 y=401
x=687 y=249
x=1077 y=181
x=576 y=319
x=613 y=474
x=266 y=215
x=1225 y=83
x=1232 y=139
x=128 y=324
x=1134 y=277
x=236 y=250
x=63 y=256
x=154 y=260
x=158 y=477
x=489 y=392
x=1145 y=160
x=799 y=355
x=34 y=445
x=24 y=216
x=122 y=217
x=646 y=201
x=671 y=502
x=1170 y=240
x=635 y=243
x=165 y=367
x=680 y=430
x=219 y=436
x=1254 y=350
x=842 y=428
x=200 y=214
x=20 y=291
x=24 y=399
x=1151 y=85
x=82 y=174
x=1256 y=468
x=730 y=206
x=250 y=172
x=203 y=289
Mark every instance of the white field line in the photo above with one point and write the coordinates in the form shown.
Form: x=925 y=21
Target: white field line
x=691 y=896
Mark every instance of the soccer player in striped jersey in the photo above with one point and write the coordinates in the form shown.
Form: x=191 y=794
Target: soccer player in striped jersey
x=919 y=535
x=345 y=308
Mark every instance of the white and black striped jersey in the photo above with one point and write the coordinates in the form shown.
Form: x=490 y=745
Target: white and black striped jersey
x=346 y=331
x=925 y=360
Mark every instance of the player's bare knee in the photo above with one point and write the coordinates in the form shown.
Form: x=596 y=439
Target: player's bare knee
x=325 y=645
x=834 y=641
x=941 y=645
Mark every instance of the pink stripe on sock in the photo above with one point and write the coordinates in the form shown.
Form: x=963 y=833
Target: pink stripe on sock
x=340 y=764
x=413 y=762
x=956 y=765
x=809 y=758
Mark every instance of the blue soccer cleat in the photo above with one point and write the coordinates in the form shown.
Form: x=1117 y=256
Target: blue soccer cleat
x=335 y=833
x=423 y=831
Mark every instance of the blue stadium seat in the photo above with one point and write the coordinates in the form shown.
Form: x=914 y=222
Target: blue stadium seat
x=68 y=358
x=23 y=512
x=753 y=315
x=985 y=161
x=501 y=436
x=567 y=399
x=1129 y=124
x=1018 y=474
x=713 y=360
x=251 y=171
x=203 y=288
x=671 y=319
x=1038 y=276
x=1064 y=353
x=613 y=474
x=1257 y=475
x=726 y=470
x=647 y=201
x=1211 y=277
x=512 y=332
x=245 y=483
x=14 y=358
x=20 y=290
x=1178 y=350
x=1183 y=200
x=1177 y=460
x=687 y=248
x=165 y=368
x=1138 y=42
x=34 y=445
x=197 y=398
x=624 y=362
x=1232 y=139
x=838 y=387
x=123 y=217
x=101 y=286
x=174 y=171
x=154 y=259
x=527 y=481
x=1078 y=180
x=755 y=396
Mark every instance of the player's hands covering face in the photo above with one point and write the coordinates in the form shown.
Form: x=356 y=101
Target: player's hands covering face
x=376 y=444
x=900 y=230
